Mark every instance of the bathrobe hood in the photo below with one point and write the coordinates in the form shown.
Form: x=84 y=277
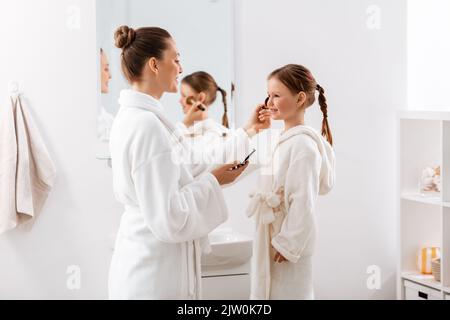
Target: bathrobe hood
x=327 y=170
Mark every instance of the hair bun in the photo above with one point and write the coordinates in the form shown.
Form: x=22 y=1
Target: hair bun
x=124 y=37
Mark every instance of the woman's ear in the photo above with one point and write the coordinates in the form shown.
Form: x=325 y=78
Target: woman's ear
x=301 y=99
x=202 y=97
x=153 y=65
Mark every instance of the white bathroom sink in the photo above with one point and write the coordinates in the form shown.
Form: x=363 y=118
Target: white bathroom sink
x=229 y=249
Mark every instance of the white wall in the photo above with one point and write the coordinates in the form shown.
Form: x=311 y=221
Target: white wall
x=428 y=54
x=364 y=74
x=56 y=67
x=362 y=70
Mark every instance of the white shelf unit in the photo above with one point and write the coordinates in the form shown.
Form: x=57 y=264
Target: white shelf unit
x=423 y=140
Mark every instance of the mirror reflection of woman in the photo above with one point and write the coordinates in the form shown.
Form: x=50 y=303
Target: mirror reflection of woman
x=168 y=209
x=104 y=118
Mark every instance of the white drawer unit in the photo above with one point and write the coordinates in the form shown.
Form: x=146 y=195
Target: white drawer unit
x=414 y=291
x=447 y=297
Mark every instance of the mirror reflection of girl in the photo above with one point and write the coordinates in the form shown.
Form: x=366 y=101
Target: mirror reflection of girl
x=168 y=210
x=300 y=166
x=214 y=142
x=202 y=87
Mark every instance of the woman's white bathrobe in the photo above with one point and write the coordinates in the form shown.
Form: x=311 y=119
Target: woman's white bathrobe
x=167 y=209
x=215 y=144
x=205 y=128
x=298 y=167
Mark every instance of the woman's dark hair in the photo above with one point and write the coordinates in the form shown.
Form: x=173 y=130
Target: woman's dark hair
x=138 y=46
x=202 y=81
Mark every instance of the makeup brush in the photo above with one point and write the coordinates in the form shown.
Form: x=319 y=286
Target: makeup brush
x=265 y=103
x=191 y=100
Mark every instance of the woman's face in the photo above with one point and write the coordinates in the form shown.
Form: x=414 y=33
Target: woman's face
x=282 y=103
x=170 y=68
x=186 y=91
x=105 y=73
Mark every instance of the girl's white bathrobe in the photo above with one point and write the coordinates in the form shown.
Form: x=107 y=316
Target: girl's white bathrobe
x=298 y=167
x=167 y=209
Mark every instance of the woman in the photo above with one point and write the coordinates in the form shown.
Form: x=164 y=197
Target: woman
x=167 y=209
x=104 y=118
x=300 y=166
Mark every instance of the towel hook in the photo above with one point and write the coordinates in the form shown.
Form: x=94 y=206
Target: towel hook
x=13 y=88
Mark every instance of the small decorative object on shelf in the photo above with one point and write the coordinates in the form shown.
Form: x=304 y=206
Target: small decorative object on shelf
x=436 y=269
x=424 y=258
x=430 y=180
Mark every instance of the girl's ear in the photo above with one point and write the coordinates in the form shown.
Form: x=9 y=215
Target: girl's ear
x=301 y=99
x=202 y=97
x=153 y=65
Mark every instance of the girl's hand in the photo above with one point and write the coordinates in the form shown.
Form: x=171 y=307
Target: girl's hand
x=259 y=120
x=194 y=114
x=279 y=258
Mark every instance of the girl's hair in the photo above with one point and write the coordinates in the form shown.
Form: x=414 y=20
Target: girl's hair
x=298 y=78
x=138 y=46
x=202 y=81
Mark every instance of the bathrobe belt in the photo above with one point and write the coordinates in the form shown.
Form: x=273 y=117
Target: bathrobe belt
x=194 y=269
x=262 y=206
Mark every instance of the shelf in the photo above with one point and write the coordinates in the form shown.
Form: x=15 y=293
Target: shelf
x=423 y=279
x=423 y=219
x=424 y=115
x=434 y=200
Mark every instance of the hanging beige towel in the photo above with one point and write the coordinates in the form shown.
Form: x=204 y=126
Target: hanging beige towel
x=26 y=169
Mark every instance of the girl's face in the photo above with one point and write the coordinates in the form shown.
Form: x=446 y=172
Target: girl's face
x=186 y=91
x=170 y=68
x=282 y=103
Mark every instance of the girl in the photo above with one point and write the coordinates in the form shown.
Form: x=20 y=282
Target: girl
x=167 y=209
x=202 y=87
x=210 y=141
x=300 y=166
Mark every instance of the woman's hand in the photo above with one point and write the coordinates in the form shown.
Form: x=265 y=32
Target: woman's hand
x=228 y=173
x=279 y=257
x=194 y=114
x=259 y=120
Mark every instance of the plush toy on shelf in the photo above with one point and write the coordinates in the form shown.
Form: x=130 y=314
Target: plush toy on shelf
x=430 y=181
